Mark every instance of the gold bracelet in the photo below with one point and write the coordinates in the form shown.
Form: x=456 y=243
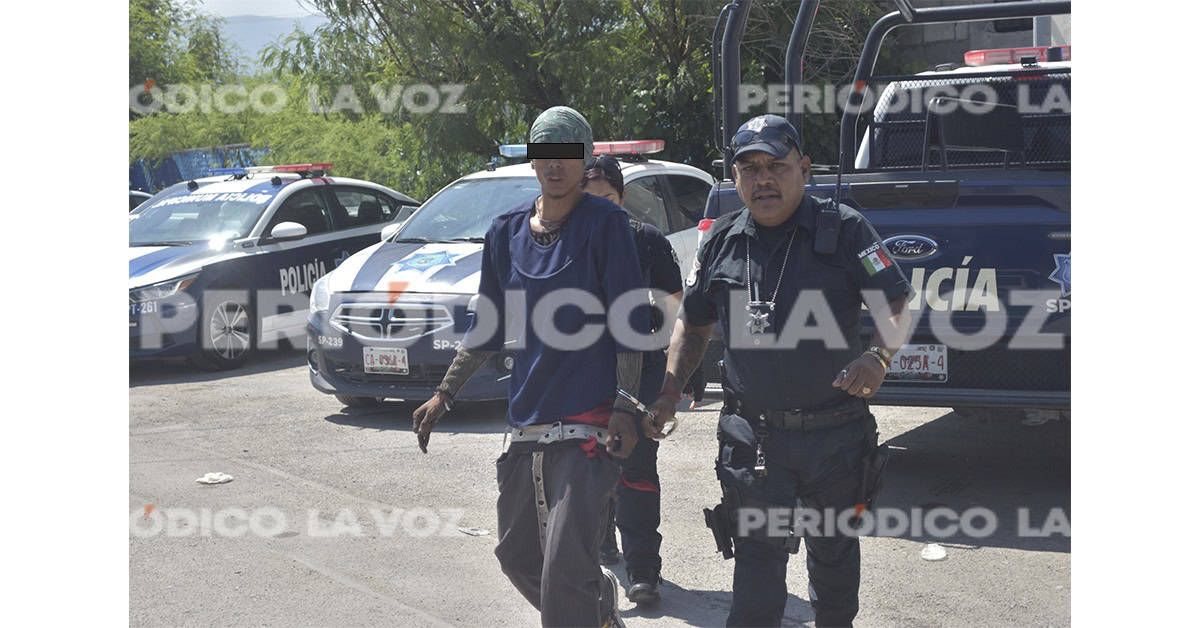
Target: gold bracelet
x=881 y=352
x=877 y=357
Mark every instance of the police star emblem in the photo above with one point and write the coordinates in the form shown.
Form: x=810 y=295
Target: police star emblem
x=423 y=261
x=760 y=316
x=1062 y=273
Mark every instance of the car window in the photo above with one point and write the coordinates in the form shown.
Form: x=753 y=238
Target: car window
x=135 y=200
x=466 y=208
x=394 y=209
x=180 y=215
x=304 y=207
x=691 y=194
x=357 y=207
x=644 y=200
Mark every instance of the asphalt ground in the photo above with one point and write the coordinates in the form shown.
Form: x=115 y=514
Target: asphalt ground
x=334 y=517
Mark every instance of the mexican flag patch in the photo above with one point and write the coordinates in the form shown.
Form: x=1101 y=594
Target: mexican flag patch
x=874 y=260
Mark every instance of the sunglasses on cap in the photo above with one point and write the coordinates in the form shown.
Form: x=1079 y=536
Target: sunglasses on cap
x=770 y=135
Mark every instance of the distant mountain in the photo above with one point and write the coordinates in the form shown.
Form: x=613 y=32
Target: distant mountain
x=252 y=33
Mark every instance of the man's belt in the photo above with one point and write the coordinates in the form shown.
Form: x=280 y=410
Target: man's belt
x=553 y=432
x=848 y=411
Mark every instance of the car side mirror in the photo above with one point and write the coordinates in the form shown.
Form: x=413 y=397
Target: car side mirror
x=286 y=231
x=388 y=231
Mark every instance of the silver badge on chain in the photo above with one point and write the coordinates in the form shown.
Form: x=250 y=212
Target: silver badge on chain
x=760 y=316
x=758 y=310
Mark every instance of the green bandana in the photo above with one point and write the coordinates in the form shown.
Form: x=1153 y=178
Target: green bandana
x=563 y=125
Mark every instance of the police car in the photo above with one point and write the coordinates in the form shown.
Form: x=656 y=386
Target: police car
x=387 y=322
x=221 y=266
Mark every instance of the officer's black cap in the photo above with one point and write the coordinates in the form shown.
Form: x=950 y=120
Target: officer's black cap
x=768 y=133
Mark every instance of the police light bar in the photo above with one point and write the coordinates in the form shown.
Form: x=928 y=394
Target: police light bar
x=998 y=56
x=629 y=147
x=513 y=151
x=288 y=168
x=303 y=167
x=623 y=147
x=213 y=172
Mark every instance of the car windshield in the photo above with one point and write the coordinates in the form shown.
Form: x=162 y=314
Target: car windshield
x=466 y=208
x=199 y=216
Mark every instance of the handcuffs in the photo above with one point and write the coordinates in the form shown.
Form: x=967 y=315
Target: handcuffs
x=667 y=427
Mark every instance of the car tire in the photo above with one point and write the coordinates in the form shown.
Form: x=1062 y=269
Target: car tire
x=227 y=336
x=359 y=402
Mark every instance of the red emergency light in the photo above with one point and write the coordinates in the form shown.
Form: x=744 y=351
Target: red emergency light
x=999 y=56
x=325 y=167
x=629 y=147
x=302 y=167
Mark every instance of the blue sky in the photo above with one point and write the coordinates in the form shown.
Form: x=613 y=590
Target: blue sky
x=273 y=8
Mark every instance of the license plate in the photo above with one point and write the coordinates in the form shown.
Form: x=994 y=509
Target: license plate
x=919 y=363
x=144 y=307
x=385 y=360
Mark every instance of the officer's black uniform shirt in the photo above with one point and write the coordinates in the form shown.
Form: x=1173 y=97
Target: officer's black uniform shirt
x=799 y=374
x=659 y=264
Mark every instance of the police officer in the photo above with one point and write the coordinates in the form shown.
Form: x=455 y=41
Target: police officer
x=795 y=433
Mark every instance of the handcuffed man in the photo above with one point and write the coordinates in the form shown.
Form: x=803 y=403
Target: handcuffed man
x=556 y=479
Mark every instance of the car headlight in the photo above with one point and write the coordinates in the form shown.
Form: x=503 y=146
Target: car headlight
x=318 y=300
x=162 y=289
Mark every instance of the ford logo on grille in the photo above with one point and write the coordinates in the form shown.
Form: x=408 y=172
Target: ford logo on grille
x=910 y=247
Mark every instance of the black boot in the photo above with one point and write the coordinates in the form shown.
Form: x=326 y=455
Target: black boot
x=643 y=586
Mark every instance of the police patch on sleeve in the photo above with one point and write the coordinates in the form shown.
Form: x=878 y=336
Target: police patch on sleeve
x=691 y=278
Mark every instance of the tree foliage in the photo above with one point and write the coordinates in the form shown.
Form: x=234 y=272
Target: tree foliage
x=635 y=68
x=170 y=41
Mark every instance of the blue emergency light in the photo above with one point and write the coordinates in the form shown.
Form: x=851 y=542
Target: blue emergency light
x=513 y=151
x=213 y=172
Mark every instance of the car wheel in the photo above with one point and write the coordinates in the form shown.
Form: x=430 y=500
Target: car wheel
x=226 y=336
x=359 y=402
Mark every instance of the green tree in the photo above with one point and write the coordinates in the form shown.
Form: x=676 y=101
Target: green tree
x=635 y=68
x=171 y=42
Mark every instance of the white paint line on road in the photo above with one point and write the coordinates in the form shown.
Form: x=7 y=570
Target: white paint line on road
x=346 y=580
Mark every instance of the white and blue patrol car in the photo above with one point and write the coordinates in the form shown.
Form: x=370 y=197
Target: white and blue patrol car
x=387 y=322
x=221 y=266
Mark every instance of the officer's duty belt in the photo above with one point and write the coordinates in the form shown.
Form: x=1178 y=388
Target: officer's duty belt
x=848 y=411
x=553 y=432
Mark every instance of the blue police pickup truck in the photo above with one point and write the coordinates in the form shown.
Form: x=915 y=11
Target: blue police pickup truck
x=965 y=173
